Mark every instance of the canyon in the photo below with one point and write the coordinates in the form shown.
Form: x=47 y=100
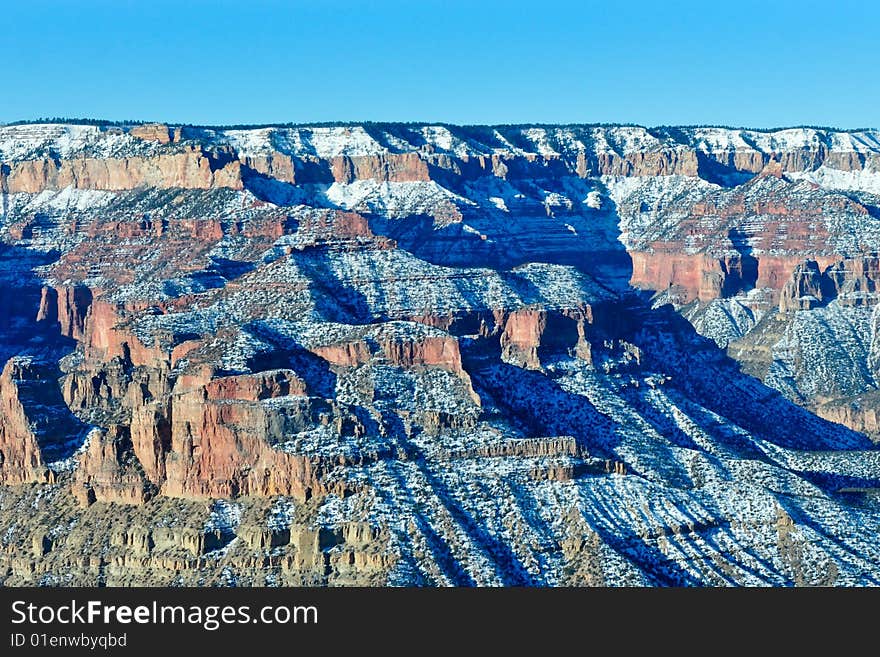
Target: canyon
x=413 y=354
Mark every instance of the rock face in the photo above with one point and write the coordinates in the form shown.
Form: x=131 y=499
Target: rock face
x=861 y=413
x=36 y=427
x=433 y=355
x=20 y=457
x=192 y=169
x=108 y=471
x=752 y=236
x=851 y=282
x=154 y=132
x=529 y=335
x=404 y=167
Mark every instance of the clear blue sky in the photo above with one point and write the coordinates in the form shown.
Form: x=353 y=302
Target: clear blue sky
x=763 y=64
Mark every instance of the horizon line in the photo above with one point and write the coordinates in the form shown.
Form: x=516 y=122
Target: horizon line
x=350 y=123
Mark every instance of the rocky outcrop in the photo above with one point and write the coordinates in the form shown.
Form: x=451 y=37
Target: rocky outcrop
x=158 y=132
x=167 y=542
x=426 y=351
x=861 y=414
x=677 y=162
x=192 y=168
x=691 y=275
x=255 y=387
x=529 y=335
x=807 y=288
x=277 y=166
x=851 y=282
x=151 y=437
x=855 y=280
x=105 y=338
x=405 y=167
x=221 y=449
x=698 y=276
x=68 y=306
x=702 y=277
x=526 y=447
x=108 y=471
x=345 y=354
x=751 y=236
x=21 y=459
x=36 y=426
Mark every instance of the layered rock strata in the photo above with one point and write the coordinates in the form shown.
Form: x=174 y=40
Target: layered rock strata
x=441 y=355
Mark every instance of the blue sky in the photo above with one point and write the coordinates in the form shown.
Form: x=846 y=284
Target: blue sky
x=760 y=64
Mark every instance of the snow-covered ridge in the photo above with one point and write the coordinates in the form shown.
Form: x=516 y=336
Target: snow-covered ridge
x=21 y=142
x=714 y=140
x=392 y=198
x=52 y=140
x=867 y=180
x=545 y=141
x=320 y=142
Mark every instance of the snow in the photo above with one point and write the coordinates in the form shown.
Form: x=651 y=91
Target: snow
x=594 y=200
x=794 y=139
x=68 y=198
x=824 y=352
x=249 y=143
x=443 y=139
x=556 y=200
x=499 y=203
x=650 y=206
x=538 y=136
x=394 y=199
x=281 y=513
x=69 y=464
x=859 y=142
x=725 y=320
x=324 y=142
x=703 y=494
x=624 y=140
x=865 y=180
x=224 y=517
x=36 y=141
